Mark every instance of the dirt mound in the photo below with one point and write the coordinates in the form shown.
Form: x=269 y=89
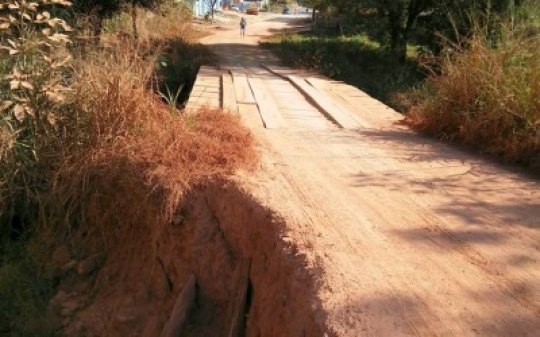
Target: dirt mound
x=218 y=228
x=149 y=210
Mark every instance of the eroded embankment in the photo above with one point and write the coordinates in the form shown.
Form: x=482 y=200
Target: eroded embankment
x=243 y=270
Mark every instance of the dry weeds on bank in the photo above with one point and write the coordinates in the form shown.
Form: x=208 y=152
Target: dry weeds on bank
x=88 y=147
x=103 y=120
x=140 y=158
x=487 y=95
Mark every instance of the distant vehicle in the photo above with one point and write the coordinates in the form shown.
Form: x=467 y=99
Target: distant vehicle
x=252 y=10
x=235 y=8
x=286 y=10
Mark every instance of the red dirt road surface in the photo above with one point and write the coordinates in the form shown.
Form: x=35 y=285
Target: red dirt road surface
x=404 y=235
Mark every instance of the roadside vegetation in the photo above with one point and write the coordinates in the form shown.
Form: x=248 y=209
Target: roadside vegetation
x=466 y=72
x=356 y=59
x=94 y=145
x=485 y=95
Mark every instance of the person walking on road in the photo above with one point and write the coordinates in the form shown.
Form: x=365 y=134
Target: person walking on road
x=243 y=25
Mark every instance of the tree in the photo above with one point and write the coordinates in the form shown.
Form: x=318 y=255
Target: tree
x=317 y=5
x=404 y=20
x=212 y=5
x=399 y=17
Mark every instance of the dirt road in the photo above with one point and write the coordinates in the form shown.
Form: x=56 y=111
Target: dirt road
x=406 y=236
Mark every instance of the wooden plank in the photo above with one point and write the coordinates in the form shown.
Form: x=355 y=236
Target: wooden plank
x=242 y=89
x=210 y=71
x=228 y=95
x=237 y=305
x=231 y=69
x=318 y=83
x=325 y=104
x=250 y=116
x=281 y=71
x=318 y=98
x=206 y=89
x=181 y=309
x=333 y=89
x=285 y=71
x=268 y=109
x=367 y=110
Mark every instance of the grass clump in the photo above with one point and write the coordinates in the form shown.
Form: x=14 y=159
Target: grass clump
x=355 y=59
x=487 y=95
x=168 y=31
x=139 y=159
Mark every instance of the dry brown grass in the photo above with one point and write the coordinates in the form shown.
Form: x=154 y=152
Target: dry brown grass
x=137 y=159
x=109 y=171
x=486 y=97
x=167 y=23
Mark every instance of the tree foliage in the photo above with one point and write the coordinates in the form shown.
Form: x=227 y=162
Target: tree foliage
x=396 y=22
x=212 y=5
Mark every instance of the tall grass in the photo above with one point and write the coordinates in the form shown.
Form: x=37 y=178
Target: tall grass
x=168 y=29
x=166 y=22
x=34 y=72
x=34 y=124
x=138 y=159
x=486 y=94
